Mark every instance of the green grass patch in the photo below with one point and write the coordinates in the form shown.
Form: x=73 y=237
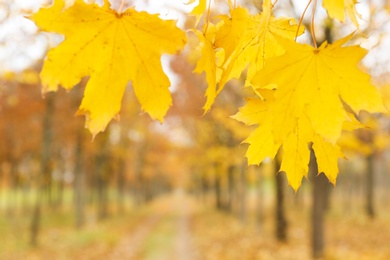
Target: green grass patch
x=159 y=243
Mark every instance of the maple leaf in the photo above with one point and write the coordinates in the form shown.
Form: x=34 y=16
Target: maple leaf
x=249 y=40
x=261 y=140
x=112 y=48
x=209 y=62
x=198 y=10
x=385 y=90
x=305 y=97
x=256 y=109
x=336 y=10
x=296 y=153
x=313 y=82
x=352 y=145
x=327 y=155
x=262 y=144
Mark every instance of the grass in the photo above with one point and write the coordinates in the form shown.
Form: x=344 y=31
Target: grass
x=160 y=241
x=347 y=236
x=215 y=235
x=60 y=238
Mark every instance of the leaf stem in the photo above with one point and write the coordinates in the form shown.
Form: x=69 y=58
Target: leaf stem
x=312 y=31
x=301 y=19
x=121 y=6
x=207 y=17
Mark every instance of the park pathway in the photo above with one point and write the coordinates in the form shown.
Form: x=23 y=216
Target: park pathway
x=185 y=207
x=169 y=220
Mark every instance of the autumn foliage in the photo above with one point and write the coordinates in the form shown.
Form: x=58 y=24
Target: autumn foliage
x=302 y=96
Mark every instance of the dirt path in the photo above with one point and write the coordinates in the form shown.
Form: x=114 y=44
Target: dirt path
x=173 y=212
x=129 y=246
x=184 y=244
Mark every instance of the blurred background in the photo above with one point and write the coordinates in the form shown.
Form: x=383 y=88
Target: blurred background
x=181 y=189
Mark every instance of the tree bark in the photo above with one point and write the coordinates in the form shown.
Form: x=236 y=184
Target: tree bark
x=370 y=172
x=242 y=194
x=260 y=203
x=320 y=183
x=205 y=189
x=45 y=168
x=281 y=222
x=102 y=173
x=217 y=189
x=79 y=182
x=36 y=221
x=60 y=189
x=231 y=188
x=13 y=190
x=121 y=182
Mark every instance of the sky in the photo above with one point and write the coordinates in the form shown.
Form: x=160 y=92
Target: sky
x=21 y=45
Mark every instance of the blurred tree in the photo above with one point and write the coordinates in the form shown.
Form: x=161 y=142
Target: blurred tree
x=46 y=168
x=280 y=214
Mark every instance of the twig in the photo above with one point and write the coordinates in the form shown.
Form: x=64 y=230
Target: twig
x=312 y=31
x=301 y=19
x=207 y=17
x=121 y=6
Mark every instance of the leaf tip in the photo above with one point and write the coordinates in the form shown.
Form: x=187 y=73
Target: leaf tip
x=94 y=126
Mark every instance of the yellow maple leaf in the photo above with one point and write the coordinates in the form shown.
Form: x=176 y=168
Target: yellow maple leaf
x=296 y=153
x=209 y=62
x=327 y=156
x=352 y=145
x=303 y=97
x=352 y=123
x=261 y=141
x=213 y=55
x=256 y=109
x=385 y=90
x=199 y=9
x=112 y=48
x=249 y=40
x=261 y=144
x=312 y=82
x=337 y=8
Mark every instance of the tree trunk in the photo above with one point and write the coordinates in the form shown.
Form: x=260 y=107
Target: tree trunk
x=45 y=168
x=60 y=190
x=102 y=188
x=370 y=185
x=139 y=164
x=121 y=182
x=25 y=197
x=281 y=222
x=102 y=172
x=260 y=203
x=242 y=194
x=205 y=189
x=231 y=188
x=79 y=182
x=320 y=183
x=13 y=190
x=36 y=220
x=217 y=189
x=102 y=196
